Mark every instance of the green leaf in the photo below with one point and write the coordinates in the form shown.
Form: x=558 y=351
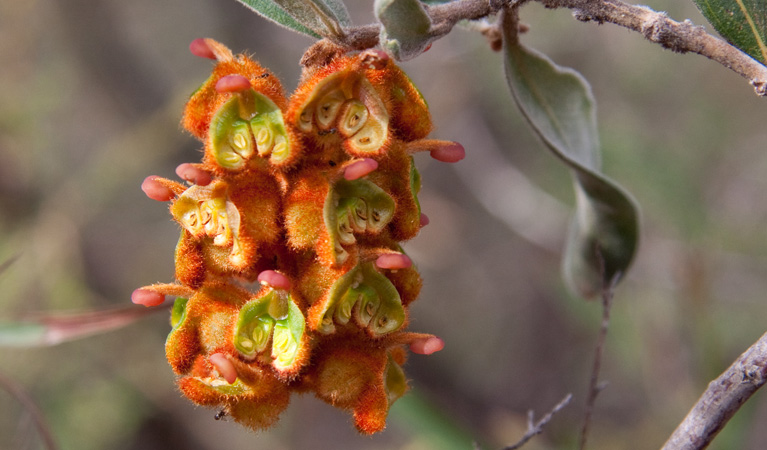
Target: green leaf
x=559 y=105
x=50 y=329
x=269 y=10
x=406 y=26
x=317 y=15
x=315 y=18
x=338 y=8
x=742 y=22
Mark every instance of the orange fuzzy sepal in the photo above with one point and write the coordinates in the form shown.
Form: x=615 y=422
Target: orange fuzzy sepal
x=206 y=100
x=349 y=373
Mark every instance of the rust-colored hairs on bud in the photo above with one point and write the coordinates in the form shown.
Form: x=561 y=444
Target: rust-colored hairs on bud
x=206 y=99
x=310 y=199
x=349 y=374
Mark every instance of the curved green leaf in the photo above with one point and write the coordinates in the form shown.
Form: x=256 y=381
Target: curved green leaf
x=742 y=22
x=559 y=105
x=406 y=26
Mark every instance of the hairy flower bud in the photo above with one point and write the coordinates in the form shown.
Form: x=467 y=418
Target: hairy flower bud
x=310 y=198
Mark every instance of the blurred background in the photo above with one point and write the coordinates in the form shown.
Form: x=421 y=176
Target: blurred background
x=90 y=99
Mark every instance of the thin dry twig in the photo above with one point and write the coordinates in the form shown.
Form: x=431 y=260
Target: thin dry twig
x=722 y=399
x=536 y=428
x=21 y=395
x=595 y=387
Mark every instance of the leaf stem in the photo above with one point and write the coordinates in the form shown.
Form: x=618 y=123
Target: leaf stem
x=595 y=387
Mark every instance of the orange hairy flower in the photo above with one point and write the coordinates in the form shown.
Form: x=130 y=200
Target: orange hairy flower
x=311 y=198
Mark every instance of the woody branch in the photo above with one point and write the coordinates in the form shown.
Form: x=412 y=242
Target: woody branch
x=681 y=37
x=722 y=399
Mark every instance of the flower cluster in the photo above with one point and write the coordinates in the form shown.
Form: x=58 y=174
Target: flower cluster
x=290 y=275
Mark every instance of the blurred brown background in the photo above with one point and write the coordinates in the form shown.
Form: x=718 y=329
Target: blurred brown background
x=90 y=98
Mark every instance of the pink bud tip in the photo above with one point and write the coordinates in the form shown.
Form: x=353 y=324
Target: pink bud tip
x=155 y=190
x=424 y=220
x=193 y=174
x=224 y=366
x=449 y=153
x=147 y=298
x=427 y=346
x=359 y=169
x=274 y=279
x=232 y=83
x=393 y=261
x=200 y=48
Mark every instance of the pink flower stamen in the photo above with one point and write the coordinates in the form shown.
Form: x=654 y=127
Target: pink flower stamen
x=224 y=367
x=424 y=220
x=274 y=279
x=393 y=261
x=147 y=298
x=193 y=174
x=359 y=169
x=427 y=346
x=449 y=153
x=200 y=48
x=156 y=190
x=232 y=83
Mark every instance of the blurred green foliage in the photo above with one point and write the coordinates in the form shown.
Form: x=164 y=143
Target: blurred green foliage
x=90 y=98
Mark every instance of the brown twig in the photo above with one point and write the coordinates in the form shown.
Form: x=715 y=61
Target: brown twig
x=722 y=399
x=21 y=395
x=443 y=18
x=536 y=428
x=681 y=37
x=595 y=387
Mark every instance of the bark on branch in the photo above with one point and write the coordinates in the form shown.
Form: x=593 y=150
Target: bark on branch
x=722 y=399
x=682 y=37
